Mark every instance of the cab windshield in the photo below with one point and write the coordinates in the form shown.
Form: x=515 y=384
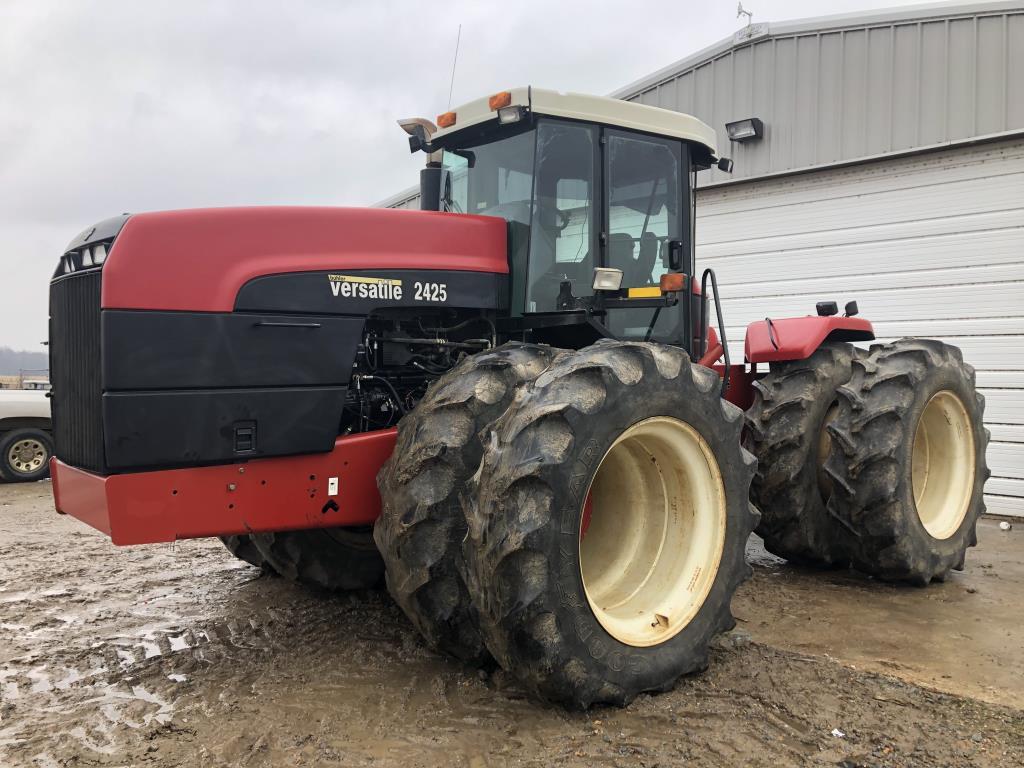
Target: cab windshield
x=490 y=179
x=542 y=181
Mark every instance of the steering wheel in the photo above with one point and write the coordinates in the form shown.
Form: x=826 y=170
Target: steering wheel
x=553 y=216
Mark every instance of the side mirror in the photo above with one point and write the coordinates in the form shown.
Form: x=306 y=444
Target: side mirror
x=675 y=255
x=725 y=164
x=418 y=127
x=420 y=131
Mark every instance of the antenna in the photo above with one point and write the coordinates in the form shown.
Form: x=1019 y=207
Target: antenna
x=455 y=61
x=741 y=11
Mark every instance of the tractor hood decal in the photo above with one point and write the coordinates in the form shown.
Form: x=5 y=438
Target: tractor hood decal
x=360 y=293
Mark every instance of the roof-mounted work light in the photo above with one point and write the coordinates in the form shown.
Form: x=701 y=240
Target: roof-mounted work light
x=607 y=279
x=511 y=114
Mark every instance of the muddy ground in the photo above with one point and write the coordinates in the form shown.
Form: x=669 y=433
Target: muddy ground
x=180 y=655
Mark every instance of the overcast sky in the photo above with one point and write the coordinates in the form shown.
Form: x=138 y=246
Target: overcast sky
x=145 y=105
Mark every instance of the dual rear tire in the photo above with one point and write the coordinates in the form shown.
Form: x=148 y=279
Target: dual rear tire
x=787 y=432
x=908 y=461
x=874 y=459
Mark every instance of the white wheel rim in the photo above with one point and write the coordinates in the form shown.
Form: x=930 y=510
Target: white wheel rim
x=942 y=465
x=656 y=532
x=26 y=456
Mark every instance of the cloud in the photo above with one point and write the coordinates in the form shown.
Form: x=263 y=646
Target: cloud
x=127 y=106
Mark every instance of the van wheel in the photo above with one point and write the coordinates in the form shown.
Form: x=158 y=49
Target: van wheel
x=25 y=455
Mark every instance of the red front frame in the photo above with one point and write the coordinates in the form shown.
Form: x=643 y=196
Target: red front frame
x=259 y=495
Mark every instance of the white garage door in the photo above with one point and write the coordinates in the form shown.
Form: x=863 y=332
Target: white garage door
x=930 y=246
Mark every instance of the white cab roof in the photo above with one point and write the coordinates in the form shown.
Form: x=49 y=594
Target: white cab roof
x=594 y=109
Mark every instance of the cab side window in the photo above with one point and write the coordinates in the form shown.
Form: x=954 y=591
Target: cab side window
x=564 y=227
x=643 y=205
x=646 y=204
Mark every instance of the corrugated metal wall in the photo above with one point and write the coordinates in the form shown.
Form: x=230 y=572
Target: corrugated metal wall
x=837 y=95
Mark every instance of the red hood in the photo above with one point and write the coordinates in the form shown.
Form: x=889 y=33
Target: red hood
x=197 y=260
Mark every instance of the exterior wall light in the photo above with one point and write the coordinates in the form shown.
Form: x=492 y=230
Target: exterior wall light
x=750 y=129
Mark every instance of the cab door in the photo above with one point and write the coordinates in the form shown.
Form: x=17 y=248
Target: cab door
x=646 y=193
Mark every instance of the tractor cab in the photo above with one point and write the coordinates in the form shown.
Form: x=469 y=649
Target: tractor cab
x=597 y=193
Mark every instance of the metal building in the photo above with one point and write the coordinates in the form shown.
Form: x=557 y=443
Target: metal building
x=886 y=165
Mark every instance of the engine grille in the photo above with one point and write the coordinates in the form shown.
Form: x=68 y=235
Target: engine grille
x=75 y=367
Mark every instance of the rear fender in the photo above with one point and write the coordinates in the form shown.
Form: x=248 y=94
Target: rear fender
x=796 y=338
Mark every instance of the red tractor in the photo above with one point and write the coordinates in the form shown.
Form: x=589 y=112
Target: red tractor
x=509 y=404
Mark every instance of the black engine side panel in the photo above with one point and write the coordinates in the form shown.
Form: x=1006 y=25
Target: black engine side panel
x=206 y=426
x=269 y=379
x=191 y=350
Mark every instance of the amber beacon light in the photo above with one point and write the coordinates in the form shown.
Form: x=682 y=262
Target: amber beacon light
x=499 y=100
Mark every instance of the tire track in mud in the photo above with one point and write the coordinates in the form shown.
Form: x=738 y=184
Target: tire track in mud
x=99 y=668
x=118 y=684
x=97 y=645
x=121 y=658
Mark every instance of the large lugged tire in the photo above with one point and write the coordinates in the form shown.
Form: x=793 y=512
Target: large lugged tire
x=908 y=461
x=421 y=526
x=328 y=558
x=243 y=547
x=786 y=433
x=607 y=524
